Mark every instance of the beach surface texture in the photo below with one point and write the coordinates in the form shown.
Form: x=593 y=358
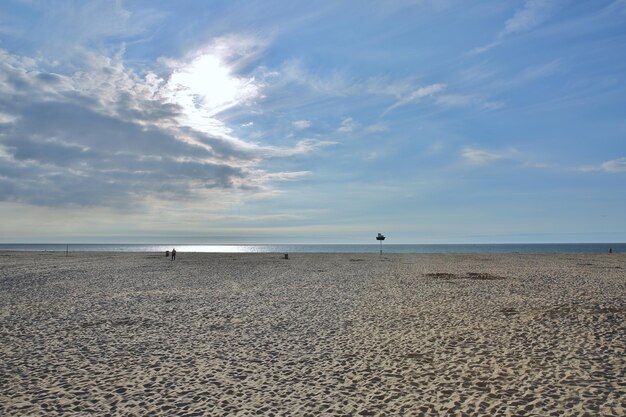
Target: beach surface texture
x=137 y=334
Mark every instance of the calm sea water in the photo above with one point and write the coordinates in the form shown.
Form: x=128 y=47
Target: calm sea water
x=374 y=248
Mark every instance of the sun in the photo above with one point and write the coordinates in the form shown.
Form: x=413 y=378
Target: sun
x=207 y=86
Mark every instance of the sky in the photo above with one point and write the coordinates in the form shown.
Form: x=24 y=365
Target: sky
x=266 y=121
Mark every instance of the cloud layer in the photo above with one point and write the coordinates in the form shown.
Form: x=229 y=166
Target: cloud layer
x=105 y=136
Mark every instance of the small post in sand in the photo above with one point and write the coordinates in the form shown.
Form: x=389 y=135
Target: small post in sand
x=286 y=256
x=67 y=249
x=381 y=238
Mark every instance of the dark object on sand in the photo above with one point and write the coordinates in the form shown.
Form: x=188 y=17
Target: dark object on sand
x=380 y=237
x=610 y=250
x=286 y=256
x=167 y=254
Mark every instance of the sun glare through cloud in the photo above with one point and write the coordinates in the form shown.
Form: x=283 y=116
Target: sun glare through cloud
x=205 y=87
x=207 y=84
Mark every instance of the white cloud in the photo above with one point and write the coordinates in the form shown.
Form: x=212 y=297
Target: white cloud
x=377 y=127
x=492 y=105
x=612 y=166
x=616 y=165
x=532 y=14
x=302 y=124
x=303 y=147
x=6 y=118
x=334 y=83
x=348 y=125
x=479 y=156
x=387 y=87
x=513 y=156
x=337 y=83
x=482 y=49
x=415 y=96
x=285 y=176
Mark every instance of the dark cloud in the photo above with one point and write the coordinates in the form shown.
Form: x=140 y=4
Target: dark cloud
x=47 y=152
x=73 y=123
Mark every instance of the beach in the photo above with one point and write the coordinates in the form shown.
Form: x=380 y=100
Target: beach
x=341 y=334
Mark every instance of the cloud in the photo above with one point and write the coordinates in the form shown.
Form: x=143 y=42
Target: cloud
x=511 y=155
x=415 y=96
x=340 y=84
x=302 y=124
x=285 y=176
x=377 y=127
x=479 y=156
x=482 y=49
x=334 y=83
x=464 y=100
x=616 y=165
x=62 y=28
x=348 y=125
x=205 y=83
x=532 y=14
x=302 y=147
x=492 y=105
x=6 y=118
x=612 y=166
x=105 y=136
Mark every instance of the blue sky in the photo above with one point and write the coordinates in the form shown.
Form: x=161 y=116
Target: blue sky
x=313 y=122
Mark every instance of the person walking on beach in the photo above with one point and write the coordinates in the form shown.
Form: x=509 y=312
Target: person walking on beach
x=173 y=254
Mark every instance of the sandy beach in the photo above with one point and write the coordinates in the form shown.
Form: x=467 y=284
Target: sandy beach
x=136 y=334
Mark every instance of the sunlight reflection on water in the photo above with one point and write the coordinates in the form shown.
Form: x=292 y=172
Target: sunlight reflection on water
x=323 y=248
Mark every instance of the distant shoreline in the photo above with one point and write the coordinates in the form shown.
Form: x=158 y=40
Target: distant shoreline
x=322 y=248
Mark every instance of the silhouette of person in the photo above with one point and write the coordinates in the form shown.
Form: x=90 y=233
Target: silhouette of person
x=610 y=250
x=173 y=254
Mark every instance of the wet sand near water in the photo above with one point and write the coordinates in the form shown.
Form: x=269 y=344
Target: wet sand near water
x=313 y=335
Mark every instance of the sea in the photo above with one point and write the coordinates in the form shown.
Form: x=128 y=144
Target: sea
x=323 y=248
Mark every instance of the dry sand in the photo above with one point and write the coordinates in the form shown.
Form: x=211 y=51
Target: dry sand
x=316 y=335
